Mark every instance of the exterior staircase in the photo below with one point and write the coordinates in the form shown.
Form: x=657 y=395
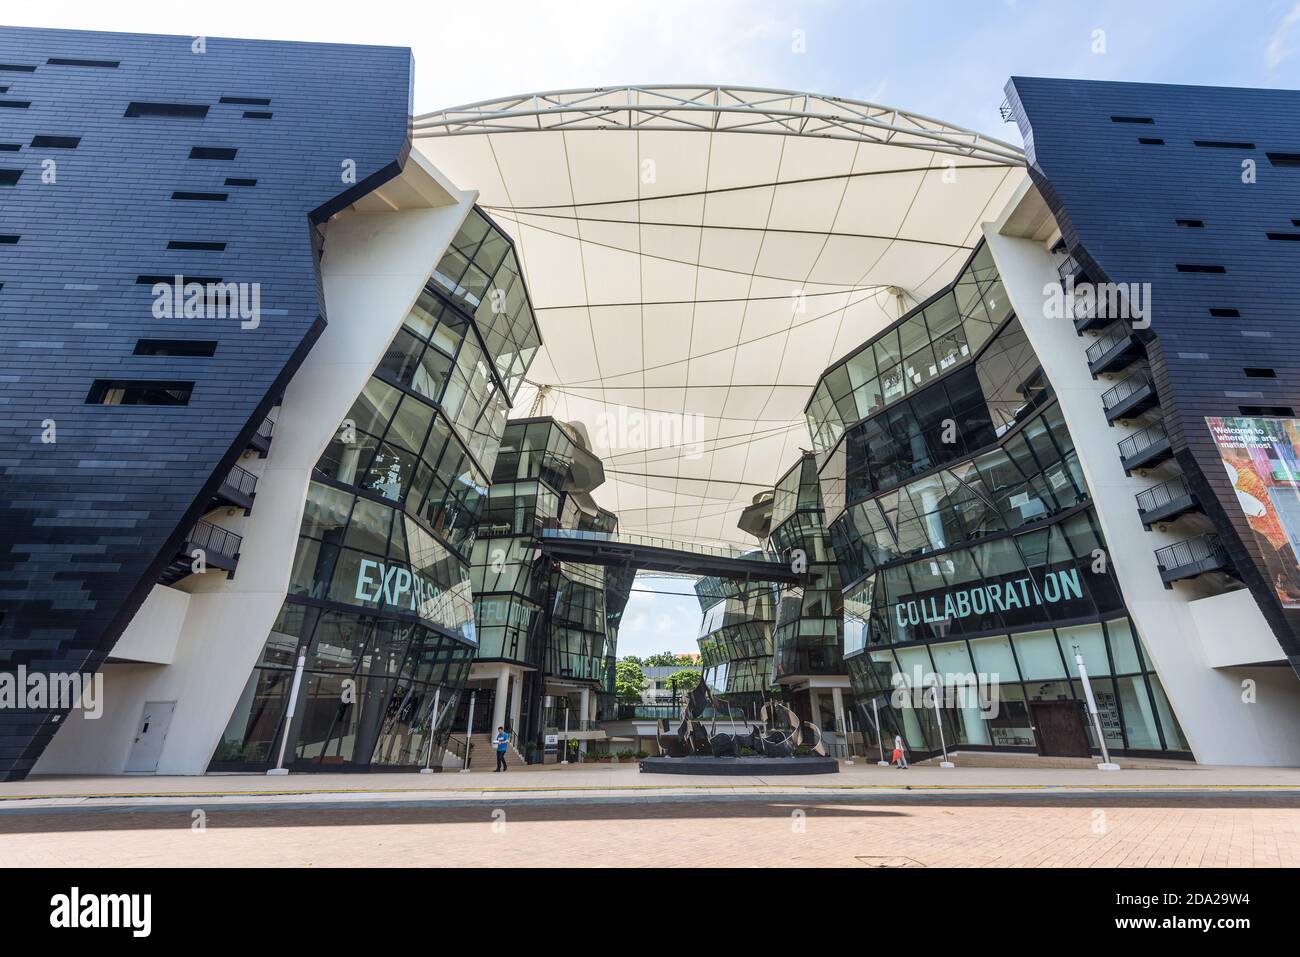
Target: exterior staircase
x=482 y=756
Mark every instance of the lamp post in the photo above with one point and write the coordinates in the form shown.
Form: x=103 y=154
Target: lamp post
x=433 y=732
x=1106 y=763
x=279 y=768
x=469 y=731
x=938 y=719
x=880 y=735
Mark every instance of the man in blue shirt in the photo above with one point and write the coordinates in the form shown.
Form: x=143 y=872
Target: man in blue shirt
x=502 y=739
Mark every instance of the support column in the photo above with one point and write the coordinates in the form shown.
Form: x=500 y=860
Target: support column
x=499 y=701
x=516 y=701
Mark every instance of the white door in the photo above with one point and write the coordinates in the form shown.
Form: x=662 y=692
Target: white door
x=149 y=736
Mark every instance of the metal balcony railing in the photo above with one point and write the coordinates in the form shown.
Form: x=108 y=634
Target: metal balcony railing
x=215 y=539
x=654 y=541
x=266 y=428
x=1158 y=496
x=1129 y=386
x=241 y=480
x=1069 y=266
x=1205 y=551
x=1108 y=341
x=1131 y=445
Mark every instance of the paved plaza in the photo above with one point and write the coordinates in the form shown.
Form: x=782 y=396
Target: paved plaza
x=613 y=816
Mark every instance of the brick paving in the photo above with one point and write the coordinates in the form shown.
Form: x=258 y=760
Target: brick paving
x=992 y=830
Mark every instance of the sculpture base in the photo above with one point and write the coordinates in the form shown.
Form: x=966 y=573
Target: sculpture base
x=701 y=764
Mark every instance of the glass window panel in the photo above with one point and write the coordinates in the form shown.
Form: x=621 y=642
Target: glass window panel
x=1121 y=646
x=1038 y=655
x=1091 y=644
x=1139 y=715
x=993 y=657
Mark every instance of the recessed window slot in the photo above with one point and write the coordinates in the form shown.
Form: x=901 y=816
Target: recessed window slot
x=147 y=280
x=139 y=392
x=1222 y=313
x=212 y=153
x=10 y=177
x=1151 y=141
x=1284 y=159
x=185 y=348
x=200 y=197
x=236 y=181
x=9 y=239
x=70 y=61
x=1281 y=411
x=15 y=104
x=1256 y=372
x=185 y=111
x=197 y=245
x=1224 y=145
x=1191 y=223
x=257 y=115
x=1131 y=119
x=17 y=68
x=1200 y=267
x=56 y=142
x=247 y=100
x=1284 y=237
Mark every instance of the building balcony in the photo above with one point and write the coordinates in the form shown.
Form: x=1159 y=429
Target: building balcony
x=1165 y=502
x=1087 y=317
x=219 y=546
x=1192 y=557
x=1068 y=268
x=237 y=488
x=1114 y=350
x=261 y=439
x=1130 y=397
x=1145 y=449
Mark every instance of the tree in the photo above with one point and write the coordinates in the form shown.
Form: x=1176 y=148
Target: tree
x=687 y=660
x=663 y=659
x=683 y=681
x=629 y=680
x=632 y=659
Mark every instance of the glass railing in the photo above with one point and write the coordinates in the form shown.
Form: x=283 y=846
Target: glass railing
x=654 y=541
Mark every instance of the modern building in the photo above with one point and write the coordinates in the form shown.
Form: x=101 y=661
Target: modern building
x=238 y=502
x=259 y=474
x=547 y=631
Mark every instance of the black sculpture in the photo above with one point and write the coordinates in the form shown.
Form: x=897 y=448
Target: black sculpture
x=784 y=733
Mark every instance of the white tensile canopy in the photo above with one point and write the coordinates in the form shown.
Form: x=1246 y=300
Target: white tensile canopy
x=697 y=256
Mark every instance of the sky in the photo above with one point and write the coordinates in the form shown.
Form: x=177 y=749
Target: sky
x=948 y=59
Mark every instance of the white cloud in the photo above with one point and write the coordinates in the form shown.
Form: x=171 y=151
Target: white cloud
x=1279 y=47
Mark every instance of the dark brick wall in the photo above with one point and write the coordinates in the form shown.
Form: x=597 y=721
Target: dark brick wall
x=88 y=522
x=1117 y=200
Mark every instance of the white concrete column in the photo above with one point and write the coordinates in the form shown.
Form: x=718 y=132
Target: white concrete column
x=516 y=703
x=499 y=701
x=837 y=700
x=584 y=709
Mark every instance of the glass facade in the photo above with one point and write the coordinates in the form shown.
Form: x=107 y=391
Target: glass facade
x=973 y=564
x=534 y=486
x=380 y=605
x=808 y=635
x=924 y=345
x=736 y=645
